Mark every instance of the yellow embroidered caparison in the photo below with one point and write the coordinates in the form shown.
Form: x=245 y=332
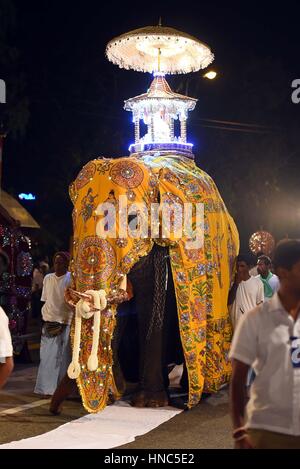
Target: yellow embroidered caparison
x=201 y=276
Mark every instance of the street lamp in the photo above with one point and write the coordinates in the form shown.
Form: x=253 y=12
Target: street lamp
x=211 y=74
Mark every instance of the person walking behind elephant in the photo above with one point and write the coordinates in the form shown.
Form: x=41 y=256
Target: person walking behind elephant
x=6 y=349
x=270 y=281
x=55 y=351
x=268 y=338
x=246 y=292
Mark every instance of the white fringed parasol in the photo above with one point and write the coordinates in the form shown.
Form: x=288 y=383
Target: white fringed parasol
x=159 y=49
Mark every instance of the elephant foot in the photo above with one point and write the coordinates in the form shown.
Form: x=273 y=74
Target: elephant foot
x=138 y=399
x=150 y=399
x=111 y=400
x=162 y=402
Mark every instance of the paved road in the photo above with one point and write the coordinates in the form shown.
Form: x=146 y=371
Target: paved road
x=23 y=415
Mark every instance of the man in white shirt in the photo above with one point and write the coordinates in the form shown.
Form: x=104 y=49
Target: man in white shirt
x=6 y=349
x=268 y=339
x=55 y=351
x=246 y=292
x=270 y=281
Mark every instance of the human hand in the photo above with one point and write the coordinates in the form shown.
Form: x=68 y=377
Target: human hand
x=72 y=297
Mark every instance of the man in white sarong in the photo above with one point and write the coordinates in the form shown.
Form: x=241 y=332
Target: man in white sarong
x=55 y=351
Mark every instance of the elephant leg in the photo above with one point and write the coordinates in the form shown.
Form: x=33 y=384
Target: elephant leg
x=65 y=389
x=172 y=351
x=149 y=289
x=184 y=382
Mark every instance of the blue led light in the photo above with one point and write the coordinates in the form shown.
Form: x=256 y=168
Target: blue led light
x=27 y=196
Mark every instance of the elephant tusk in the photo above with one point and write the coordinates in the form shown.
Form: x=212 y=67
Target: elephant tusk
x=74 y=367
x=100 y=303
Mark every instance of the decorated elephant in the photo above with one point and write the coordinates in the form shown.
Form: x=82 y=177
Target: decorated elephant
x=102 y=260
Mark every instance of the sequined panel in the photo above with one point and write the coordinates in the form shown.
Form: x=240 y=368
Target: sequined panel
x=96 y=261
x=127 y=174
x=85 y=175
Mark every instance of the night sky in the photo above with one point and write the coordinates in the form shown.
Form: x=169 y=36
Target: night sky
x=75 y=103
